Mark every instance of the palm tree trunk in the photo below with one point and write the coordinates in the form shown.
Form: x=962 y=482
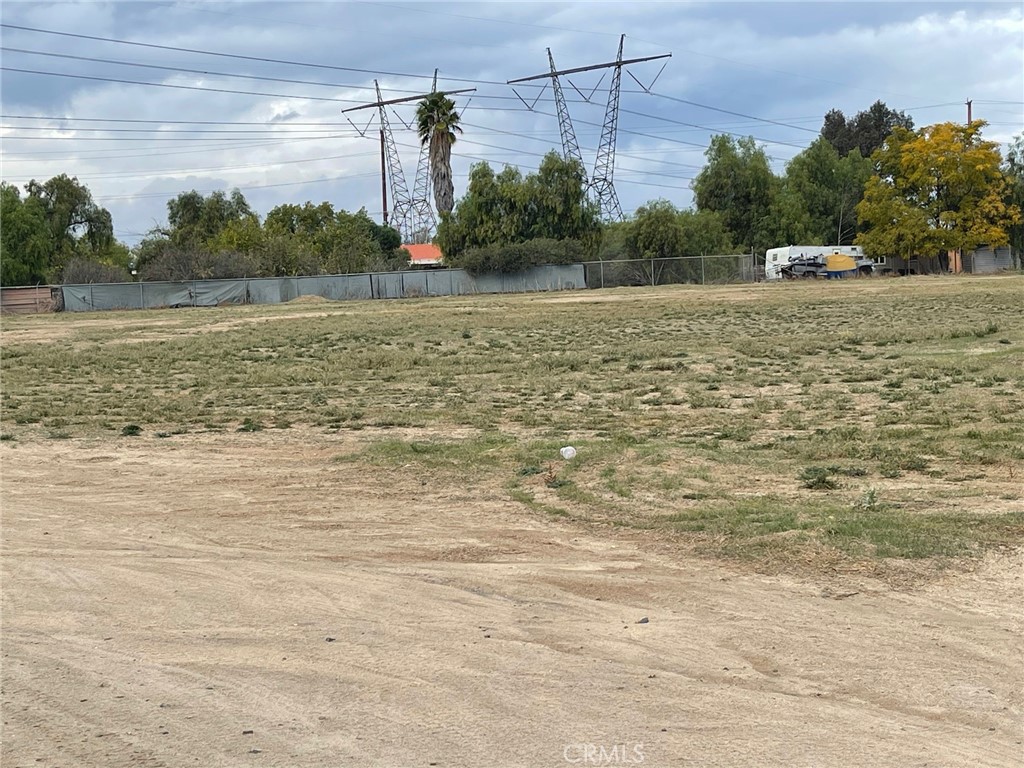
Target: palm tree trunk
x=441 y=171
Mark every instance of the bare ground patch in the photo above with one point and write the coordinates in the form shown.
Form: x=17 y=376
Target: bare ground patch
x=227 y=593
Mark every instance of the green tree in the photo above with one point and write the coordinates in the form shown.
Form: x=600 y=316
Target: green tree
x=1013 y=171
x=26 y=239
x=195 y=220
x=508 y=208
x=217 y=235
x=938 y=189
x=818 y=197
x=866 y=132
x=287 y=256
x=492 y=212
x=438 y=123
x=151 y=249
x=737 y=182
x=72 y=214
x=306 y=220
x=788 y=221
x=704 y=234
x=78 y=227
x=555 y=203
x=243 y=235
x=337 y=242
x=656 y=232
x=613 y=240
x=348 y=243
x=659 y=230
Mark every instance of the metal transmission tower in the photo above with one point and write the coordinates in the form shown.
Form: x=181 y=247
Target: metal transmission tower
x=600 y=188
x=423 y=219
x=401 y=202
x=570 y=148
x=407 y=210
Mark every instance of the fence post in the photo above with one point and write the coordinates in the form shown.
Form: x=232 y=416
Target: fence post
x=652 y=273
x=703 y=278
x=602 y=274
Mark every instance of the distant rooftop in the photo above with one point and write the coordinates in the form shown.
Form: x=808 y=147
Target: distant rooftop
x=423 y=254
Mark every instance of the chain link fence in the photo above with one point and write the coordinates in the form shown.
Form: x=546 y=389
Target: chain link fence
x=695 y=270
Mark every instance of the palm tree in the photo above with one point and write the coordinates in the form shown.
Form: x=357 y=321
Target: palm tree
x=438 y=123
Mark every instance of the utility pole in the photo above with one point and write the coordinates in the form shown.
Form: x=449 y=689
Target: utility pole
x=404 y=207
x=969 y=102
x=600 y=188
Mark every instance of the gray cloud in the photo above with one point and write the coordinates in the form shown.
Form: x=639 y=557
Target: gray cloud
x=787 y=62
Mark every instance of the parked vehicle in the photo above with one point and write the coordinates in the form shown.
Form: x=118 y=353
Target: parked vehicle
x=815 y=261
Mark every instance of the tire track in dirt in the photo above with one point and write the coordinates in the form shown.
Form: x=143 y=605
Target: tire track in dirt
x=351 y=623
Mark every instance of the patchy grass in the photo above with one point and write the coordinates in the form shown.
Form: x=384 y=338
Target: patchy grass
x=873 y=420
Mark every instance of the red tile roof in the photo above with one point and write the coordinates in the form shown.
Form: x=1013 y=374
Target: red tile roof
x=423 y=253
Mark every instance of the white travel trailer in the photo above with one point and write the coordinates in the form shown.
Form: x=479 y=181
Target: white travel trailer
x=776 y=259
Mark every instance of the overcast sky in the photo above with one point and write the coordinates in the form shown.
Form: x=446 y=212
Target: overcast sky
x=770 y=70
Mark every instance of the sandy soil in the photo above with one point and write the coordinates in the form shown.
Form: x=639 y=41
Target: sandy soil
x=242 y=600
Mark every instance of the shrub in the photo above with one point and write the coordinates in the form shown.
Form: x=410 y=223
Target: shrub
x=516 y=257
x=84 y=271
x=817 y=479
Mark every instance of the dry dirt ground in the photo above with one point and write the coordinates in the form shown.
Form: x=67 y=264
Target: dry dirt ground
x=243 y=600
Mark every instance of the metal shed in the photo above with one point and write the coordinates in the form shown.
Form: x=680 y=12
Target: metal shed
x=986 y=259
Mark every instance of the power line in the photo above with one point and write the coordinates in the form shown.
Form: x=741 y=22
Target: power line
x=239 y=56
x=250 y=166
x=179 y=87
x=67 y=118
x=730 y=112
x=499 y=21
x=320 y=98
x=102 y=153
x=734 y=62
x=631 y=155
x=161 y=131
x=533 y=111
x=626 y=155
x=146 y=195
x=157 y=138
x=535 y=138
x=714 y=130
x=141 y=65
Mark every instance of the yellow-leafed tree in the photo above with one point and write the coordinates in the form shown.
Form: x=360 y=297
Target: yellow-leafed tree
x=937 y=189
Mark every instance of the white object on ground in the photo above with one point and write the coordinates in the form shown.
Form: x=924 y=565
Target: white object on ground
x=568 y=452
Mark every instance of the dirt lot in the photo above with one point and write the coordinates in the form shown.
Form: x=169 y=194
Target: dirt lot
x=245 y=600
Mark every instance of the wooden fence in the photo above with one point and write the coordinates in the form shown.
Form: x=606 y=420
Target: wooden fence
x=23 y=300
